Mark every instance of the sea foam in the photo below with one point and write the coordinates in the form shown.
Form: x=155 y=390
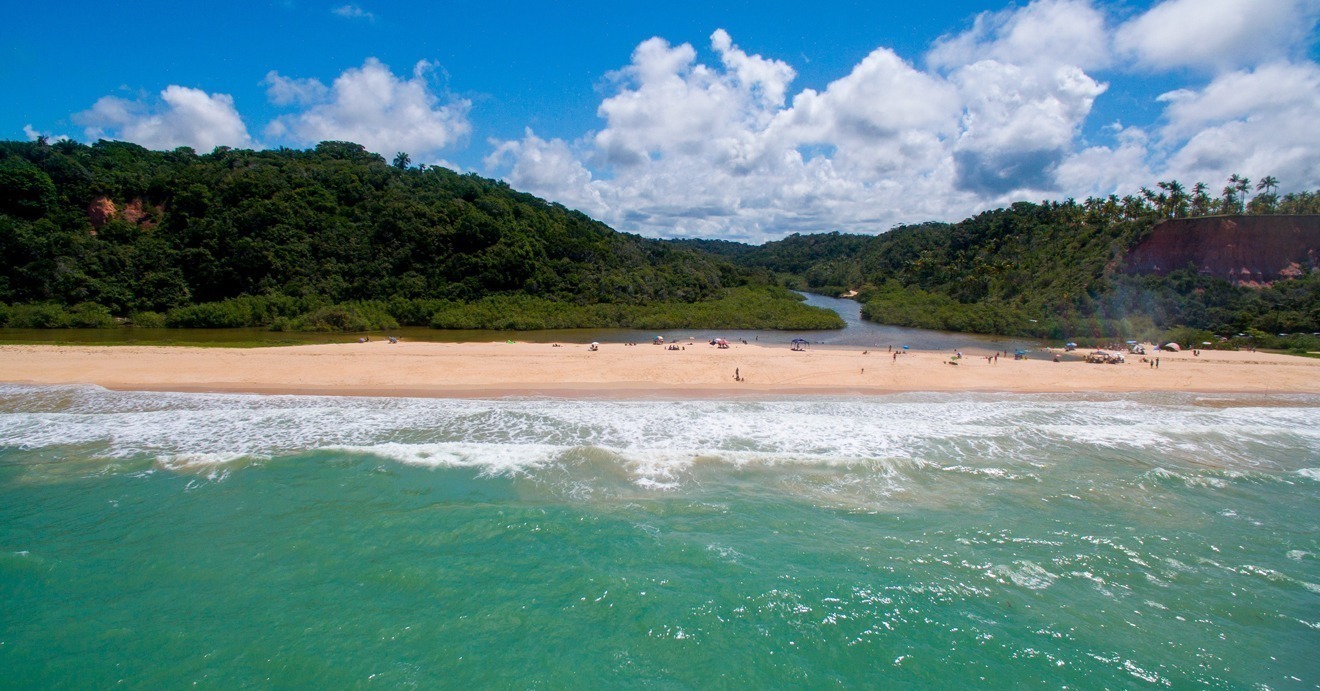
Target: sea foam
x=985 y=437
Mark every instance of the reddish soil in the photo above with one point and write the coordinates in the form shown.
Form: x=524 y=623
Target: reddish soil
x=1247 y=250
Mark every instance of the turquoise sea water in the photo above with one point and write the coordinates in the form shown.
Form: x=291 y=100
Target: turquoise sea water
x=915 y=541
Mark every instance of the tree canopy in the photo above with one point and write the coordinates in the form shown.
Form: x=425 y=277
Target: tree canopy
x=134 y=231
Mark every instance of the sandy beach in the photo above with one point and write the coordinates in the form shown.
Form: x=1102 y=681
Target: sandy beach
x=379 y=368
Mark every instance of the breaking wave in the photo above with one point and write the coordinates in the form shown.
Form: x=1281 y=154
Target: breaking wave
x=887 y=441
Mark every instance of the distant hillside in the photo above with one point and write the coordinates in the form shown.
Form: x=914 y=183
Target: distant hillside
x=119 y=231
x=1061 y=270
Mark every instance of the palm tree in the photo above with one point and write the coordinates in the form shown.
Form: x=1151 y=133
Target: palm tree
x=1228 y=203
x=1200 y=200
x=1133 y=206
x=1265 y=202
x=1177 y=199
x=1175 y=204
x=1241 y=184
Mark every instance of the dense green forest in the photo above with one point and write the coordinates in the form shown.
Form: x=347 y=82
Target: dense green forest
x=335 y=238
x=1050 y=270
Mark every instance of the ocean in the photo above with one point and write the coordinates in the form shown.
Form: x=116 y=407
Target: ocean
x=157 y=540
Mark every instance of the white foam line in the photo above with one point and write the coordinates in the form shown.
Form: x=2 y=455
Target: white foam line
x=978 y=433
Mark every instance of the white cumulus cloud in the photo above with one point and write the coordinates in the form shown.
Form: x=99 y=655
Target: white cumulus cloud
x=1046 y=32
x=371 y=106
x=1262 y=121
x=995 y=114
x=689 y=148
x=1018 y=124
x=183 y=117
x=33 y=134
x=1218 y=34
x=283 y=91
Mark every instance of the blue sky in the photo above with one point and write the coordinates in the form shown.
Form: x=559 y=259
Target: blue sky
x=738 y=120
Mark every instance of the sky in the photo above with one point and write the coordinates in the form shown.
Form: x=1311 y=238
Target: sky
x=742 y=121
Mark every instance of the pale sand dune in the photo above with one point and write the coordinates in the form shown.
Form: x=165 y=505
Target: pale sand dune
x=501 y=369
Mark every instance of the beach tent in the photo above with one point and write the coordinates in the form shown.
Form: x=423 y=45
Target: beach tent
x=906 y=347
x=1173 y=346
x=799 y=344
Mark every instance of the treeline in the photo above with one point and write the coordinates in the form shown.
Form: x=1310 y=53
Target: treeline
x=332 y=237
x=747 y=307
x=1050 y=270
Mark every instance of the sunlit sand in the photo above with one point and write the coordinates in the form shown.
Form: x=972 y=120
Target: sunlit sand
x=379 y=368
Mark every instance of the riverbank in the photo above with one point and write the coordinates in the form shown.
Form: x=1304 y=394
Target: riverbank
x=480 y=370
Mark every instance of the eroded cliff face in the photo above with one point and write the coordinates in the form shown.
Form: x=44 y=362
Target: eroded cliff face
x=1247 y=250
x=102 y=209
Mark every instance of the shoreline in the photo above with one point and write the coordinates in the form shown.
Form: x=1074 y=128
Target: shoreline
x=641 y=372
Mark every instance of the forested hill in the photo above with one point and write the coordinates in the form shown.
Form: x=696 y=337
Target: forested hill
x=1054 y=270
x=119 y=230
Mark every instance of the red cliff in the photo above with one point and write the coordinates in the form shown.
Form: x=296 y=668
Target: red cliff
x=1249 y=250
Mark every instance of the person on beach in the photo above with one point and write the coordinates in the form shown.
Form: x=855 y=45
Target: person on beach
x=737 y=374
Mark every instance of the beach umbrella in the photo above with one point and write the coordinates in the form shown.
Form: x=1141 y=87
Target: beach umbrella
x=906 y=347
x=1173 y=346
x=1070 y=344
x=1131 y=342
x=1206 y=343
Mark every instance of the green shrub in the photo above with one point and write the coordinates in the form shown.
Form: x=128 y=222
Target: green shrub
x=763 y=307
x=357 y=316
x=41 y=315
x=89 y=315
x=248 y=310
x=147 y=320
